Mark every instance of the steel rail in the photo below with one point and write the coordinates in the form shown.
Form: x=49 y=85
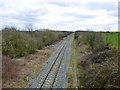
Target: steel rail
x=51 y=68
x=58 y=67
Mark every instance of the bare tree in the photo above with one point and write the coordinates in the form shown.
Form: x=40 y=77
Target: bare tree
x=29 y=27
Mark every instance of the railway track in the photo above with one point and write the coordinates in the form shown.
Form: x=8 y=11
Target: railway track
x=48 y=78
x=45 y=80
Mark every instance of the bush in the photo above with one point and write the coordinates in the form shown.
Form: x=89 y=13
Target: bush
x=19 y=43
x=103 y=75
x=91 y=38
x=100 y=68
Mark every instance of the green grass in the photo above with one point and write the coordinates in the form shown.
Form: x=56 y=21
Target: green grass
x=111 y=39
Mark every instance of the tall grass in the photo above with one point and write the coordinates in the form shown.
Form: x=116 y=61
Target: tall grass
x=17 y=43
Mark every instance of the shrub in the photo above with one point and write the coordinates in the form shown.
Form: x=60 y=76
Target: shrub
x=100 y=68
x=19 y=43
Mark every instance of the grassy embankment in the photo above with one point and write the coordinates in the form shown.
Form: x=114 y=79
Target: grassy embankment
x=18 y=70
x=97 y=60
x=72 y=72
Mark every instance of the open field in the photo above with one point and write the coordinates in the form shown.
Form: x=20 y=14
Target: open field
x=111 y=39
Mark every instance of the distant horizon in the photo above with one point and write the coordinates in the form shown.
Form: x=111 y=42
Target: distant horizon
x=63 y=30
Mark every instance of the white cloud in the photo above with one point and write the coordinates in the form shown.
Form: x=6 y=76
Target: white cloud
x=61 y=14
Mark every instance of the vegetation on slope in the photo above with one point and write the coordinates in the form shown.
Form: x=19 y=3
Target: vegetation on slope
x=97 y=61
x=17 y=72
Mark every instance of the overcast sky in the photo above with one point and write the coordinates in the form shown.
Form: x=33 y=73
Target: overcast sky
x=60 y=14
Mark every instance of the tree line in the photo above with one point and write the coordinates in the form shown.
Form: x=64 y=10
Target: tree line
x=16 y=43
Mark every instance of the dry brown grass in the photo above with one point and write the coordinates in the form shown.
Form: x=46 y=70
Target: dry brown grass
x=16 y=71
